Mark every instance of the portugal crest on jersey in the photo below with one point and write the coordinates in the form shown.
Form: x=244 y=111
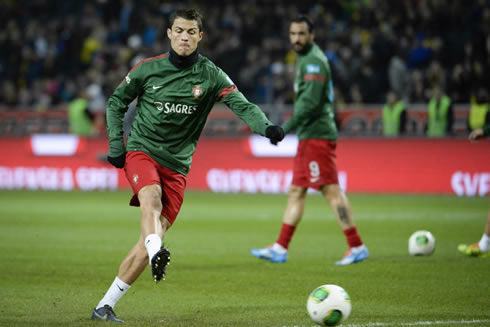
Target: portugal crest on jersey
x=196 y=91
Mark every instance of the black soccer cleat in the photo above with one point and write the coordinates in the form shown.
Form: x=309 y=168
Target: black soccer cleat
x=159 y=264
x=105 y=313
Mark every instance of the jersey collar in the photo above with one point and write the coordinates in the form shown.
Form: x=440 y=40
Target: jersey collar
x=183 y=61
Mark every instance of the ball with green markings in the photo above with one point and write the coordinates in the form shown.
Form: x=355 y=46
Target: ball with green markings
x=421 y=242
x=329 y=305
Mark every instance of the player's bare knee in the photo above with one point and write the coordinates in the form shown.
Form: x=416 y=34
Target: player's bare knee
x=332 y=192
x=296 y=192
x=150 y=196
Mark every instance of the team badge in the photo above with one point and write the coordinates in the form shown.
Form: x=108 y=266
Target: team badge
x=135 y=178
x=313 y=69
x=197 y=91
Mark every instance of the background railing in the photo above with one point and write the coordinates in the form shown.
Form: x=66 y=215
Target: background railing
x=354 y=121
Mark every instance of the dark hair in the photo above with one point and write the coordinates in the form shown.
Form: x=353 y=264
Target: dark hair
x=188 y=14
x=304 y=19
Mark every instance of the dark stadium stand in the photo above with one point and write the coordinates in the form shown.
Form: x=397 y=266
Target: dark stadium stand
x=52 y=51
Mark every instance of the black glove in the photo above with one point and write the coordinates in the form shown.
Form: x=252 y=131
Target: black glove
x=274 y=133
x=119 y=161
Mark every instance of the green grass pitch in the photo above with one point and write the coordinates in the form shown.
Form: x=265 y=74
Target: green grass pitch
x=59 y=252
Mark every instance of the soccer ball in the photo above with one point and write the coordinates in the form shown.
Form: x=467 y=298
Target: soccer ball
x=421 y=242
x=328 y=305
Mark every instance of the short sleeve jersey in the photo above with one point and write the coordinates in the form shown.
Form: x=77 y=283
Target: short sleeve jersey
x=313 y=116
x=172 y=108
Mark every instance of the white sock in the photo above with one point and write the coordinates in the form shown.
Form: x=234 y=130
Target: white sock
x=357 y=249
x=153 y=243
x=279 y=248
x=484 y=243
x=114 y=293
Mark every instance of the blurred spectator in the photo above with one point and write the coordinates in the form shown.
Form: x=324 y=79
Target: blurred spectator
x=459 y=84
x=420 y=54
x=440 y=114
x=79 y=116
x=479 y=111
x=355 y=95
x=394 y=115
x=418 y=92
x=8 y=94
x=50 y=48
x=436 y=77
x=96 y=107
x=399 y=76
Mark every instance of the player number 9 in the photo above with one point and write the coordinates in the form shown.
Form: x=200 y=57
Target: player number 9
x=314 y=169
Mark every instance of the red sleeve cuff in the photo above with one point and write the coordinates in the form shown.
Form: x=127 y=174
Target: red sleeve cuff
x=227 y=91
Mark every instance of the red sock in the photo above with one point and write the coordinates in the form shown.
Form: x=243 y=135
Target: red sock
x=353 y=239
x=286 y=234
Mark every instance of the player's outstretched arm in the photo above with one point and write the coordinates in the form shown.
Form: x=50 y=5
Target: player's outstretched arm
x=253 y=116
x=248 y=112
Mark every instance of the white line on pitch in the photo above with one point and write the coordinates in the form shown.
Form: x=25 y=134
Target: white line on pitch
x=421 y=323
x=414 y=323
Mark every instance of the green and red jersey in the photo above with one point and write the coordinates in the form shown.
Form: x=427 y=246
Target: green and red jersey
x=313 y=116
x=172 y=108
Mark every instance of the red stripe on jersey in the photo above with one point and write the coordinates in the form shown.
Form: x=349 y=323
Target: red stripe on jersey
x=227 y=91
x=314 y=77
x=145 y=60
x=149 y=59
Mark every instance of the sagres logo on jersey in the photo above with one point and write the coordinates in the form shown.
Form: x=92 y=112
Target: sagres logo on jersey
x=178 y=108
x=196 y=91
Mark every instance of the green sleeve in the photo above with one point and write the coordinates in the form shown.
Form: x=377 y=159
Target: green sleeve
x=310 y=93
x=248 y=112
x=117 y=105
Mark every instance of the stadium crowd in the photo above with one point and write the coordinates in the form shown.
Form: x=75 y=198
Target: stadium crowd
x=52 y=51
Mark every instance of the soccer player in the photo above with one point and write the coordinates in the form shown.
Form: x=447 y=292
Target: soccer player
x=315 y=161
x=482 y=248
x=175 y=92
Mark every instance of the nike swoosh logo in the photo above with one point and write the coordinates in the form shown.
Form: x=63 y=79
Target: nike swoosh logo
x=157 y=87
x=120 y=288
x=104 y=317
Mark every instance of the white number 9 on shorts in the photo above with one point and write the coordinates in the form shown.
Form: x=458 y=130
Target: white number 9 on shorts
x=314 y=171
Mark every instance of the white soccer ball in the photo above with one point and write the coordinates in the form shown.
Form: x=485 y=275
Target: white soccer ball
x=329 y=305
x=421 y=242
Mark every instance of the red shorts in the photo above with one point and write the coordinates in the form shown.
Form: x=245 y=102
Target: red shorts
x=315 y=164
x=141 y=170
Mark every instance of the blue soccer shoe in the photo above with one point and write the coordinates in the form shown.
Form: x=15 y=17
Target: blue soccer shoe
x=269 y=254
x=354 y=257
x=351 y=257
